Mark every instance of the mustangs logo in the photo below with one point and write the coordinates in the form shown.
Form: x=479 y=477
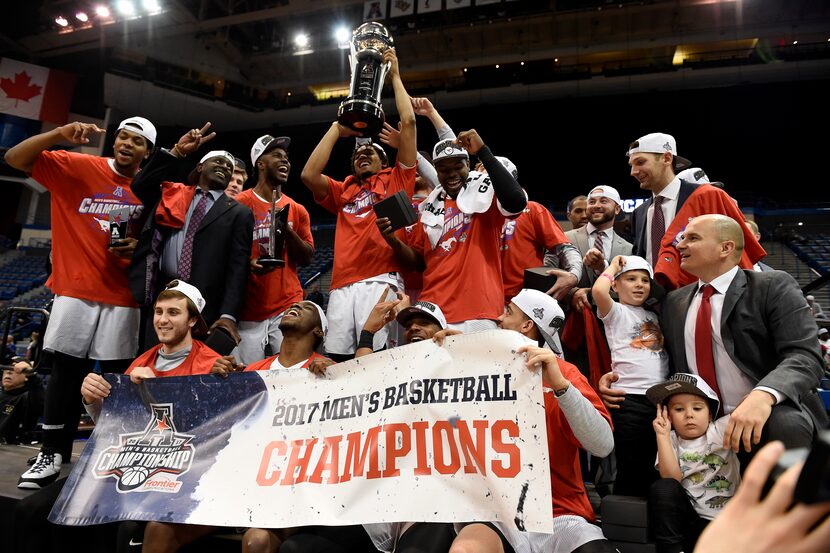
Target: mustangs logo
x=150 y=460
x=100 y=205
x=456 y=225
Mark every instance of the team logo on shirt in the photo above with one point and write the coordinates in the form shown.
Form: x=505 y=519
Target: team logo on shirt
x=99 y=206
x=508 y=230
x=151 y=460
x=456 y=226
x=361 y=204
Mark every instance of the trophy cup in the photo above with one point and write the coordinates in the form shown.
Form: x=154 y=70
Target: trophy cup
x=119 y=220
x=272 y=247
x=362 y=110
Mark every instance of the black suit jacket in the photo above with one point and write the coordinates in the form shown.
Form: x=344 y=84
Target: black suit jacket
x=640 y=215
x=221 y=246
x=767 y=331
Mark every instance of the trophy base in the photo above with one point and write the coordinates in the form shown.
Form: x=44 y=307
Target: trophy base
x=361 y=116
x=271 y=262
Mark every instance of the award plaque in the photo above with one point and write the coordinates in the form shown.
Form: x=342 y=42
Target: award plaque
x=398 y=209
x=119 y=220
x=271 y=248
x=362 y=110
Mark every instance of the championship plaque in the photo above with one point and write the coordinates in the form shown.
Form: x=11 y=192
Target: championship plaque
x=271 y=247
x=362 y=110
x=119 y=220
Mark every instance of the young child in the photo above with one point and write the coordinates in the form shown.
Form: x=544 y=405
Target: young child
x=698 y=475
x=638 y=361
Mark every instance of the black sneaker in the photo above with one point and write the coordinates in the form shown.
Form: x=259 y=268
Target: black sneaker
x=46 y=470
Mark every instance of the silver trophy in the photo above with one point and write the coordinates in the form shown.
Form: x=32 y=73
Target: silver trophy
x=272 y=247
x=362 y=110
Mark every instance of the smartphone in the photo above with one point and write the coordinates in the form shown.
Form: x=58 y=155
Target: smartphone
x=220 y=341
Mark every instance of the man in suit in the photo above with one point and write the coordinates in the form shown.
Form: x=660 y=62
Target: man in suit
x=597 y=241
x=758 y=347
x=654 y=163
x=753 y=226
x=194 y=233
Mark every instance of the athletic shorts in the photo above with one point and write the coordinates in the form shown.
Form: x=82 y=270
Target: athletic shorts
x=83 y=328
x=255 y=335
x=349 y=307
x=568 y=533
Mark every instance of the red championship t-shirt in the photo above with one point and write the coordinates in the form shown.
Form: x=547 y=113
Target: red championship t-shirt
x=414 y=280
x=463 y=271
x=272 y=293
x=569 y=497
x=360 y=252
x=84 y=189
x=266 y=363
x=199 y=361
x=523 y=244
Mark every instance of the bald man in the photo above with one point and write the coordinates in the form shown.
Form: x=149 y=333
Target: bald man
x=751 y=338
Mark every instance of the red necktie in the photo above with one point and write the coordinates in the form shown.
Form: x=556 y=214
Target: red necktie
x=598 y=236
x=186 y=259
x=704 y=355
x=658 y=229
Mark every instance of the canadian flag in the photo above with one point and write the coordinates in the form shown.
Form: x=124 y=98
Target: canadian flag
x=35 y=92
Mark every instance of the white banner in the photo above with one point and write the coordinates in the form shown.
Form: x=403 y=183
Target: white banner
x=400 y=8
x=374 y=10
x=378 y=439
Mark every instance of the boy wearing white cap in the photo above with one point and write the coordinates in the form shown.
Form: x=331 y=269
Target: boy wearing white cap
x=654 y=164
x=272 y=290
x=195 y=233
x=638 y=361
x=94 y=316
x=698 y=475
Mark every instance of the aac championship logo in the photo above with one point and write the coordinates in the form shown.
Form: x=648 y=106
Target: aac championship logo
x=150 y=460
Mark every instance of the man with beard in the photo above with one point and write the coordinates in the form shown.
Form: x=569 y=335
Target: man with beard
x=195 y=232
x=271 y=289
x=364 y=264
x=94 y=316
x=597 y=241
x=458 y=236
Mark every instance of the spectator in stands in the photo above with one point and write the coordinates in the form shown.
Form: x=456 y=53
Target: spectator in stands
x=11 y=346
x=698 y=475
x=815 y=307
x=363 y=261
x=754 y=523
x=577 y=212
x=33 y=349
x=94 y=316
x=457 y=238
x=654 y=163
x=638 y=361
x=314 y=294
x=237 y=182
x=597 y=242
x=753 y=226
x=575 y=418
x=824 y=342
x=753 y=342
x=196 y=233
x=21 y=400
x=272 y=290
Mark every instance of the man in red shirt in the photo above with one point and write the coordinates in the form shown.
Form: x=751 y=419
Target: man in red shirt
x=271 y=290
x=364 y=264
x=94 y=316
x=575 y=418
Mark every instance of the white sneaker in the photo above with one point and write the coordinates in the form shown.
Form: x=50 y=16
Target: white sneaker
x=46 y=470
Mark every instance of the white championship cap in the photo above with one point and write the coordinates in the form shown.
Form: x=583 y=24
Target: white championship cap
x=605 y=192
x=139 y=126
x=193 y=294
x=545 y=312
x=658 y=143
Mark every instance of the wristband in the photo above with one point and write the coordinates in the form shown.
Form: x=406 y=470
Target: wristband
x=367 y=340
x=609 y=277
x=178 y=153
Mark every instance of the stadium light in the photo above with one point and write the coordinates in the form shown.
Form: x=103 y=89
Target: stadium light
x=342 y=36
x=102 y=11
x=82 y=17
x=301 y=40
x=61 y=20
x=125 y=7
x=151 y=6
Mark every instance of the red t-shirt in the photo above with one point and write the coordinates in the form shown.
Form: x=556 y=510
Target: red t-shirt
x=568 y=490
x=272 y=293
x=360 y=251
x=84 y=189
x=413 y=280
x=265 y=364
x=523 y=244
x=463 y=271
x=199 y=361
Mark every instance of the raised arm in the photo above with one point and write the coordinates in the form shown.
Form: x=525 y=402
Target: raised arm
x=601 y=291
x=424 y=107
x=408 y=149
x=23 y=155
x=312 y=175
x=510 y=195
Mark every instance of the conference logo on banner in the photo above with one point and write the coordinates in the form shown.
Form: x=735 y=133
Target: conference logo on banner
x=35 y=92
x=375 y=440
x=150 y=460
